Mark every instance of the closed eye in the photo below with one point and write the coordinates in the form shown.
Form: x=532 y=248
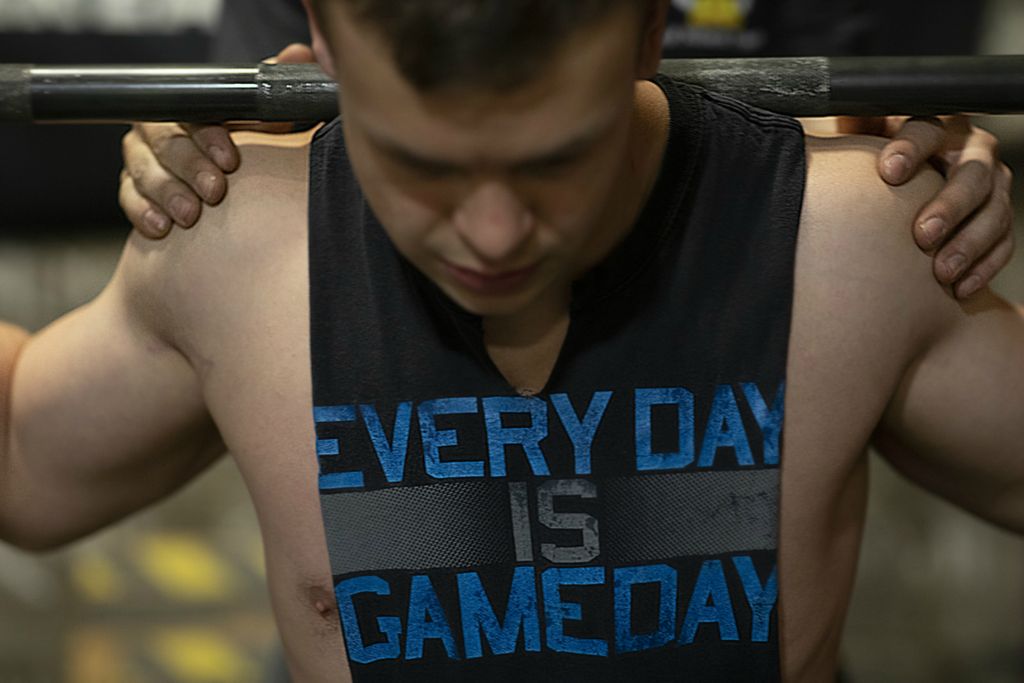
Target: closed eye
x=549 y=166
x=426 y=167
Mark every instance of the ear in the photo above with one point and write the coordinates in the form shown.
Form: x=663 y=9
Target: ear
x=652 y=39
x=321 y=48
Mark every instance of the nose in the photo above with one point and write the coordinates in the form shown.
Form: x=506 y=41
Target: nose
x=494 y=222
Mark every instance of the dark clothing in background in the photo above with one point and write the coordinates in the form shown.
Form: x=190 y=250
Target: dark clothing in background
x=251 y=30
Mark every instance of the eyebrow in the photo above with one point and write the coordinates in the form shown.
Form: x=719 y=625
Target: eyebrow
x=564 y=152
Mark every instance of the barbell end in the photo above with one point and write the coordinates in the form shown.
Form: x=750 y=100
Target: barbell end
x=15 y=93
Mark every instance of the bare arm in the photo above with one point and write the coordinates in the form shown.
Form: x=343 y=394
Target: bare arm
x=103 y=414
x=954 y=419
x=956 y=424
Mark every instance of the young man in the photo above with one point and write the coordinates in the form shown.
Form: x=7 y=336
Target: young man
x=555 y=312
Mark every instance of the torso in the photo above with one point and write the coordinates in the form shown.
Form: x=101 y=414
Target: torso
x=249 y=342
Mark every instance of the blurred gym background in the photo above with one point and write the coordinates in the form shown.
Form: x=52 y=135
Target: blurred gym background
x=177 y=593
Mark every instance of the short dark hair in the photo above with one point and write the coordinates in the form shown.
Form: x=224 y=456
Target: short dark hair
x=492 y=43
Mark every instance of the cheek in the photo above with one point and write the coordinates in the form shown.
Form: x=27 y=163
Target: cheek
x=410 y=224
x=408 y=217
x=578 y=203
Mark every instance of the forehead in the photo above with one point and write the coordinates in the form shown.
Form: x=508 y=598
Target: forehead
x=584 y=83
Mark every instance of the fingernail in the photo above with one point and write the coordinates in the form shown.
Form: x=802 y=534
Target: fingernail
x=955 y=265
x=207 y=183
x=897 y=167
x=183 y=210
x=221 y=156
x=970 y=286
x=156 y=222
x=932 y=229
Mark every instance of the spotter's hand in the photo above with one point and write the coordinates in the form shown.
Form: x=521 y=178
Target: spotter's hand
x=969 y=224
x=171 y=170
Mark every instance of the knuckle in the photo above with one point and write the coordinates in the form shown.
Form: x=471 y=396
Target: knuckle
x=968 y=247
x=137 y=173
x=945 y=208
x=994 y=262
x=968 y=192
x=122 y=193
x=148 y=132
x=1005 y=224
x=986 y=137
x=168 y=190
x=928 y=127
x=130 y=143
x=909 y=145
x=210 y=135
x=957 y=203
x=125 y=180
x=1005 y=253
x=985 y=270
x=1006 y=208
x=974 y=241
x=166 y=145
x=977 y=171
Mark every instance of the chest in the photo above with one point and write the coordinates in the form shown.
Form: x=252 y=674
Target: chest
x=650 y=456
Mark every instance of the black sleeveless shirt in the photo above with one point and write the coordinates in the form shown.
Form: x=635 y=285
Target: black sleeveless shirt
x=620 y=525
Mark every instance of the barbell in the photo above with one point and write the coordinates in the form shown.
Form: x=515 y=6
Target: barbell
x=799 y=86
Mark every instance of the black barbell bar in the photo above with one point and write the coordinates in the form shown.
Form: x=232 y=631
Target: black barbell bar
x=800 y=86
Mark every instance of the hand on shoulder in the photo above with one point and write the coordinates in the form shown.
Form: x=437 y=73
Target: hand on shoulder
x=247 y=232
x=857 y=251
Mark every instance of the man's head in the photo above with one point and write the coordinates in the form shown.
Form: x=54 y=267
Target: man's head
x=498 y=45
x=491 y=136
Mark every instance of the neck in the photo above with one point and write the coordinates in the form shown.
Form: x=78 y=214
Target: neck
x=525 y=348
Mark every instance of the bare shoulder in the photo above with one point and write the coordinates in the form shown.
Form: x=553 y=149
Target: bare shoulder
x=262 y=218
x=265 y=196
x=846 y=196
x=856 y=246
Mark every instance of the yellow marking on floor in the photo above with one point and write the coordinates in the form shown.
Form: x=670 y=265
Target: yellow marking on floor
x=201 y=656
x=94 y=656
x=183 y=567
x=95 y=578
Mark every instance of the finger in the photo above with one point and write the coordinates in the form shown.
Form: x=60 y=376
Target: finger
x=216 y=143
x=916 y=142
x=968 y=189
x=153 y=182
x=277 y=128
x=144 y=216
x=987 y=228
x=177 y=152
x=982 y=274
x=860 y=125
x=296 y=53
